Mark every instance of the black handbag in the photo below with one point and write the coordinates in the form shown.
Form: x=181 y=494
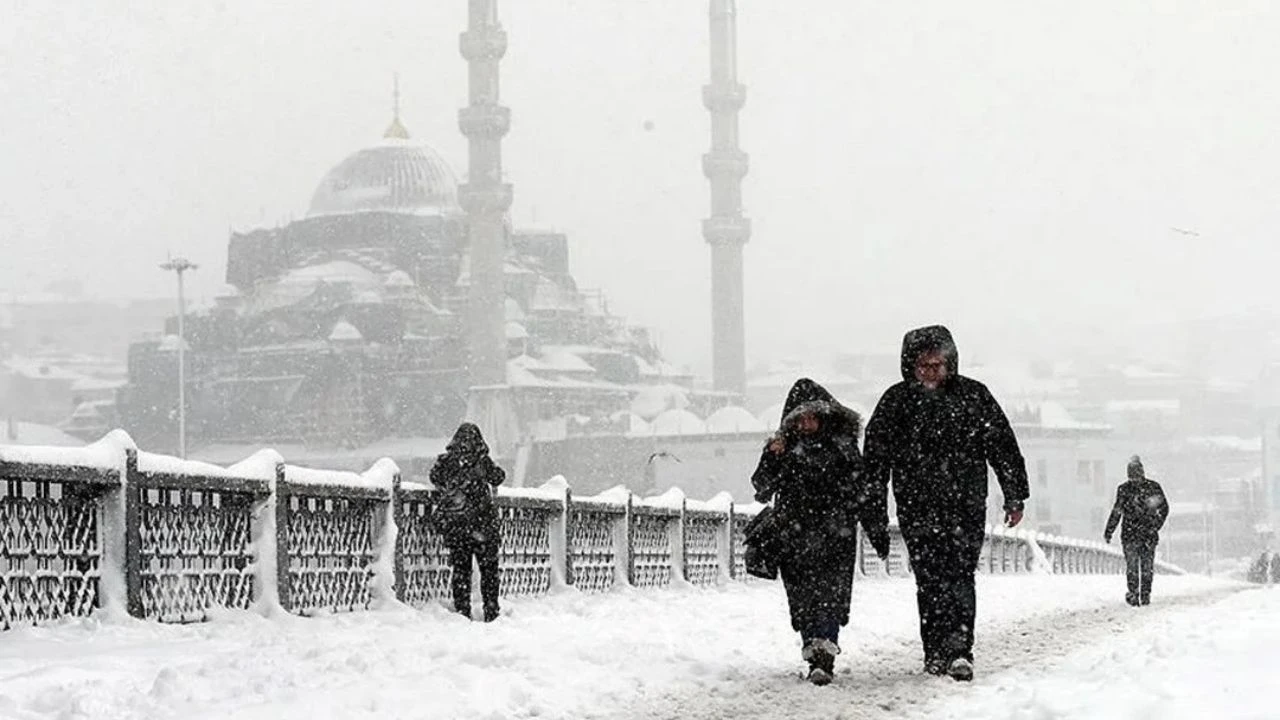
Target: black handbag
x=760 y=545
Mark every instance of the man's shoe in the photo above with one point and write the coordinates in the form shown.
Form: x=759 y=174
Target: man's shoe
x=935 y=666
x=961 y=670
x=819 y=677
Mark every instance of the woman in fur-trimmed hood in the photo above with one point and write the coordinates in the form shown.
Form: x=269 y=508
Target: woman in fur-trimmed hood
x=811 y=469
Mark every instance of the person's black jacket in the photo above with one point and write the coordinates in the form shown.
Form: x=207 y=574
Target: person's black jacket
x=935 y=446
x=464 y=477
x=814 y=480
x=1142 y=505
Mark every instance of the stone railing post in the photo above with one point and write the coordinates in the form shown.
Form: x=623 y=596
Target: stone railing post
x=113 y=592
x=677 y=538
x=263 y=533
x=724 y=547
x=383 y=531
x=132 y=534
x=626 y=558
x=282 y=500
x=559 y=537
x=397 y=560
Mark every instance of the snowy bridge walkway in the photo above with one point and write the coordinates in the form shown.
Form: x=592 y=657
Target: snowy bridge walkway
x=1048 y=647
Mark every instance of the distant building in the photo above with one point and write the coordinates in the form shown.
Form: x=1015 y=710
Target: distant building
x=1073 y=468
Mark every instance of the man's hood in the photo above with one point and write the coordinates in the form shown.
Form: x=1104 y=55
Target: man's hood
x=927 y=339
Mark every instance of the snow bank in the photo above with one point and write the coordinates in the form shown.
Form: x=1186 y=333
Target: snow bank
x=692 y=654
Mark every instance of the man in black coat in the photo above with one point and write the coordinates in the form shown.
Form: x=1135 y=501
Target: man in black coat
x=933 y=436
x=812 y=471
x=1141 y=503
x=466 y=516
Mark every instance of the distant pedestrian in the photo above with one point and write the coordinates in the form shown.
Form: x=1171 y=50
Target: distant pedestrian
x=933 y=436
x=1142 y=505
x=466 y=516
x=812 y=471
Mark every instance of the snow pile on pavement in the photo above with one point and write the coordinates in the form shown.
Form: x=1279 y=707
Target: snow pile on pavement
x=690 y=653
x=1215 y=661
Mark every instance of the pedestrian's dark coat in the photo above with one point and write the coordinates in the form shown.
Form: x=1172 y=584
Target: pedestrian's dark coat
x=815 y=484
x=1143 y=507
x=936 y=446
x=465 y=476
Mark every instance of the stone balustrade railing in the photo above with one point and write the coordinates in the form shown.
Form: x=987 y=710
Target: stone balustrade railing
x=108 y=528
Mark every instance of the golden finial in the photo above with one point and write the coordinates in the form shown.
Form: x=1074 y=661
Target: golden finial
x=396 y=129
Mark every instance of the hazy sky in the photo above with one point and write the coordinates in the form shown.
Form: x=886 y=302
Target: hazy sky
x=986 y=164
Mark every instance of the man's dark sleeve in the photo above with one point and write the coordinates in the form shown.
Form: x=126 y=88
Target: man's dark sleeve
x=495 y=474
x=1116 y=511
x=878 y=465
x=1004 y=455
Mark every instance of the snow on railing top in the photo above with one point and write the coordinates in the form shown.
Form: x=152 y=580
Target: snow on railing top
x=169 y=465
x=616 y=495
x=381 y=475
x=719 y=503
x=261 y=464
x=553 y=489
x=672 y=499
x=105 y=454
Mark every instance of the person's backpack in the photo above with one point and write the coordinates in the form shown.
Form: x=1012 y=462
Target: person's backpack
x=451 y=513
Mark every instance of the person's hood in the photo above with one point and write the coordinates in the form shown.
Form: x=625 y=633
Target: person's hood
x=927 y=339
x=467 y=442
x=1134 y=470
x=807 y=396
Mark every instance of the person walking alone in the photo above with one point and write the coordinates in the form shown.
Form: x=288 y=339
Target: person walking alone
x=466 y=516
x=1142 y=506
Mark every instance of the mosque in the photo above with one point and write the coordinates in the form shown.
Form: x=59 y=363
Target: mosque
x=405 y=301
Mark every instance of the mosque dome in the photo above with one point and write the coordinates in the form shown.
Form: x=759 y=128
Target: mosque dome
x=396 y=175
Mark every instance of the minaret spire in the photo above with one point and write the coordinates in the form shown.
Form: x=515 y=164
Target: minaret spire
x=727 y=230
x=485 y=197
x=396 y=129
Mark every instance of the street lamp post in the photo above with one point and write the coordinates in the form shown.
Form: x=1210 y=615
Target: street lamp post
x=180 y=265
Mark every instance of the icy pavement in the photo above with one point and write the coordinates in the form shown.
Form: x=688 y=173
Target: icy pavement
x=1049 y=647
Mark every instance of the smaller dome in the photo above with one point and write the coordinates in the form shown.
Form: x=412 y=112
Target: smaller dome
x=771 y=416
x=344 y=331
x=398 y=279
x=734 y=420
x=678 y=422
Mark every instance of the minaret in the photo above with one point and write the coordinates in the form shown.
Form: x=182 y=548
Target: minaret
x=726 y=230
x=485 y=197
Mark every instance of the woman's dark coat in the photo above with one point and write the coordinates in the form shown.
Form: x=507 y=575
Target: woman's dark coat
x=815 y=484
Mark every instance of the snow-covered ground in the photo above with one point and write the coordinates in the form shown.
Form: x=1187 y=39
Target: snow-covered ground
x=1049 y=647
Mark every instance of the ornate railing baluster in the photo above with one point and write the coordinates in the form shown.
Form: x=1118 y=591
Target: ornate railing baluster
x=50 y=543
